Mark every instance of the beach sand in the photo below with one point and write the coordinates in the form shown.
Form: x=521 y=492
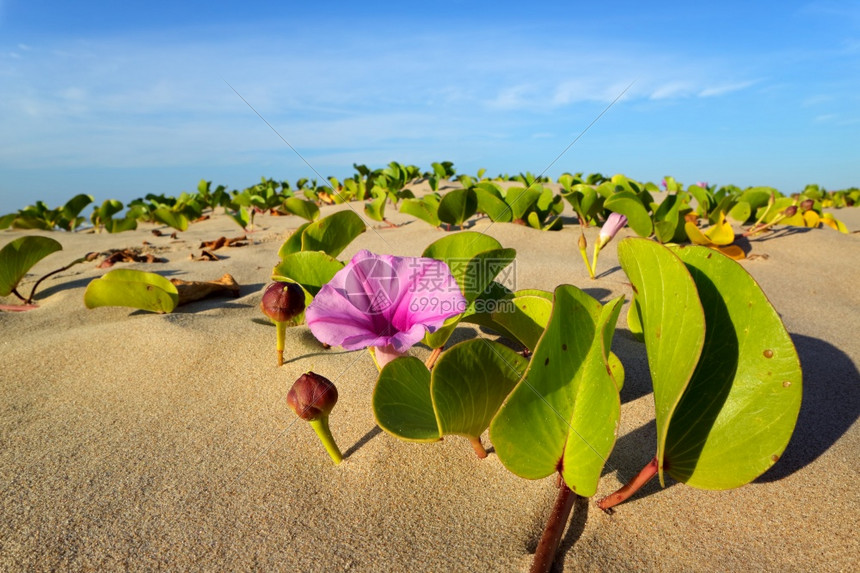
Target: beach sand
x=139 y=441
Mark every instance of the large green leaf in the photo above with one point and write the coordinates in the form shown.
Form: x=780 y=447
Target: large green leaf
x=293 y=244
x=629 y=205
x=469 y=383
x=740 y=408
x=402 y=404
x=333 y=233
x=563 y=415
x=491 y=203
x=521 y=199
x=132 y=288
x=527 y=319
x=170 y=218
x=305 y=209
x=424 y=209
x=311 y=269
x=462 y=245
x=376 y=208
x=673 y=324
x=19 y=256
x=457 y=206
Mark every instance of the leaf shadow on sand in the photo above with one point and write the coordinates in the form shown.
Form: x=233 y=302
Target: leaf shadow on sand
x=830 y=405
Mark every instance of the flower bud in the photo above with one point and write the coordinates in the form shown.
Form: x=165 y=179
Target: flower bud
x=283 y=301
x=312 y=396
x=790 y=211
x=806 y=205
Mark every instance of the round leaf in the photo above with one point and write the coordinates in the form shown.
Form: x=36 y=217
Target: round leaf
x=469 y=383
x=304 y=209
x=311 y=269
x=673 y=324
x=19 y=256
x=333 y=233
x=463 y=245
x=457 y=206
x=740 y=408
x=402 y=404
x=132 y=288
x=563 y=415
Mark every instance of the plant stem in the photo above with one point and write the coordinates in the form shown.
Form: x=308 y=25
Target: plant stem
x=648 y=472
x=320 y=426
x=478 y=447
x=434 y=356
x=587 y=264
x=88 y=257
x=549 y=541
x=281 y=328
x=594 y=262
x=16 y=293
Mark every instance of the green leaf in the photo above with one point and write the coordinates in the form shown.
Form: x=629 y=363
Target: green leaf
x=741 y=212
x=311 y=269
x=673 y=321
x=120 y=225
x=491 y=203
x=305 y=209
x=563 y=415
x=170 y=218
x=376 y=208
x=293 y=244
x=402 y=404
x=332 y=234
x=457 y=206
x=528 y=320
x=476 y=274
x=521 y=199
x=627 y=204
x=469 y=383
x=462 y=245
x=422 y=209
x=132 y=288
x=19 y=256
x=740 y=408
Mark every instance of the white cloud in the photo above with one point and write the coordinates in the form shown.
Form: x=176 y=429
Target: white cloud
x=722 y=89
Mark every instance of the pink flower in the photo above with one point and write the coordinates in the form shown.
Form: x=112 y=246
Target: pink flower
x=385 y=302
x=610 y=228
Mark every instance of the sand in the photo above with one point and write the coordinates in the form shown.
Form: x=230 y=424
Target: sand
x=131 y=440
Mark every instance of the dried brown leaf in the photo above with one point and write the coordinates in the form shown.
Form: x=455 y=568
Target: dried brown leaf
x=190 y=291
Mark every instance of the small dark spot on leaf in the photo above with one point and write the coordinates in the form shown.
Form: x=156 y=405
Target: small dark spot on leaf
x=658 y=332
x=774 y=458
x=786 y=383
x=709 y=255
x=564 y=346
x=148 y=287
x=768 y=353
x=545 y=362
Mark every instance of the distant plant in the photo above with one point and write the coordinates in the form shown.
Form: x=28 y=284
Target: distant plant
x=18 y=256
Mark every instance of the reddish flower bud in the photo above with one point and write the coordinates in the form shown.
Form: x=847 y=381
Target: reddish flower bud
x=283 y=301
x=806 y=205
x=790 y=211
x=312 y=396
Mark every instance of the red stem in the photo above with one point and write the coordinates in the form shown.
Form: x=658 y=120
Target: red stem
x=549 y=541
x=648 y=472
x=478 y=447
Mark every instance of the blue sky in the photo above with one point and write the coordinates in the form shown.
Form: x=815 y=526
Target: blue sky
x=122 y=99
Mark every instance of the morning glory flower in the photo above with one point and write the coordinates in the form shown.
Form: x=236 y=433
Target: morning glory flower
x=610 y=228
x=385 y=303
